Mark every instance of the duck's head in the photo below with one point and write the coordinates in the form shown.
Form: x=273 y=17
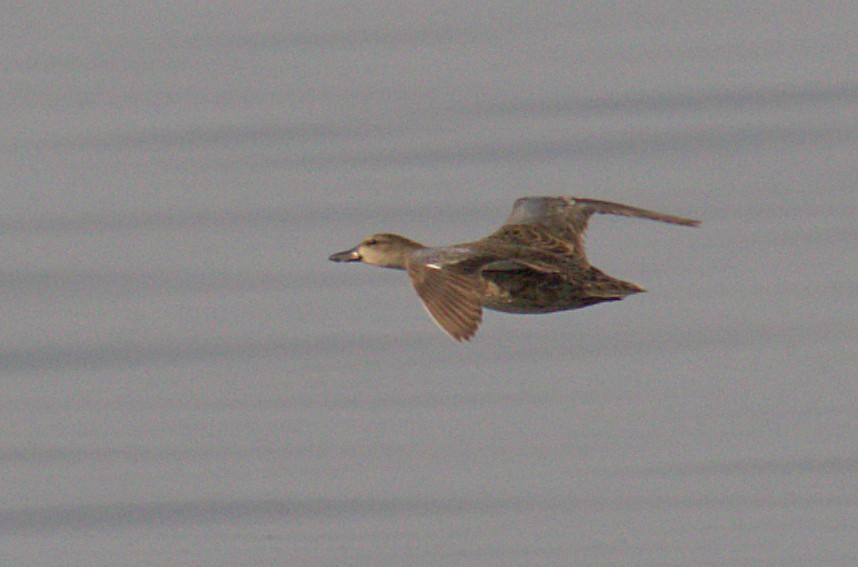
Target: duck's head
x=385 y=250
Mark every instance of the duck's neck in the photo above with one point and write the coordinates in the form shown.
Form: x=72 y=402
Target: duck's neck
x=404 y=248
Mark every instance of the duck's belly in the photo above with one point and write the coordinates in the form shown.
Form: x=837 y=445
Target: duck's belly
x=529 y=292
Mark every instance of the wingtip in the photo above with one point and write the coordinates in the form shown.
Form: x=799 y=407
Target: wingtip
x=458 y=335
x=466 y=338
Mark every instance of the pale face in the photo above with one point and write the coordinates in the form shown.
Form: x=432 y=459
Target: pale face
x=386 y=250
x=375 y=250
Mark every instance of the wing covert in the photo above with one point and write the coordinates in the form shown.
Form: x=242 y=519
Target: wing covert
x=565 y=219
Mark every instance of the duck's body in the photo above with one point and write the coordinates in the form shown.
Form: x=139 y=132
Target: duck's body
x=535 y=263
x=529 y=291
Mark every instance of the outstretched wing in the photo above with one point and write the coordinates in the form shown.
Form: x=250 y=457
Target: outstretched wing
x=558 y=224
x=451 y=295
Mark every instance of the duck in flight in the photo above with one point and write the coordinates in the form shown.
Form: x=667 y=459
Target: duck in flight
x=534 y=263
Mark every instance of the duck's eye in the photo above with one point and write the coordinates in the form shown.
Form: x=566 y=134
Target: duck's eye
x=371 y=242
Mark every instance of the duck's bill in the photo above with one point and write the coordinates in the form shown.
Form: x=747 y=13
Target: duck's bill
x=346 y=256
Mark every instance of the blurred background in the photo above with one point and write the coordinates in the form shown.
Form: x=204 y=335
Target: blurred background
x=186 y=380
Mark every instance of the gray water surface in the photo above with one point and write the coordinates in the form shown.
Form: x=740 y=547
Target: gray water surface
x=186 y=380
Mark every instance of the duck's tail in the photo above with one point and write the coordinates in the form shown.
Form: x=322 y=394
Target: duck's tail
x=605 y=288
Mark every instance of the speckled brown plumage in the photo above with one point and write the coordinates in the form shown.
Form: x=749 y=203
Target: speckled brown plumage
x=534 y=263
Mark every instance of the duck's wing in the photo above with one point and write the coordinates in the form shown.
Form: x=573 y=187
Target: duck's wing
x=558 y=224
x=451 y=293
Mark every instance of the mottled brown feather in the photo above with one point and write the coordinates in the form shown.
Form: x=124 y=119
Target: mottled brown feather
x=559 y=224
x=534 y=263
